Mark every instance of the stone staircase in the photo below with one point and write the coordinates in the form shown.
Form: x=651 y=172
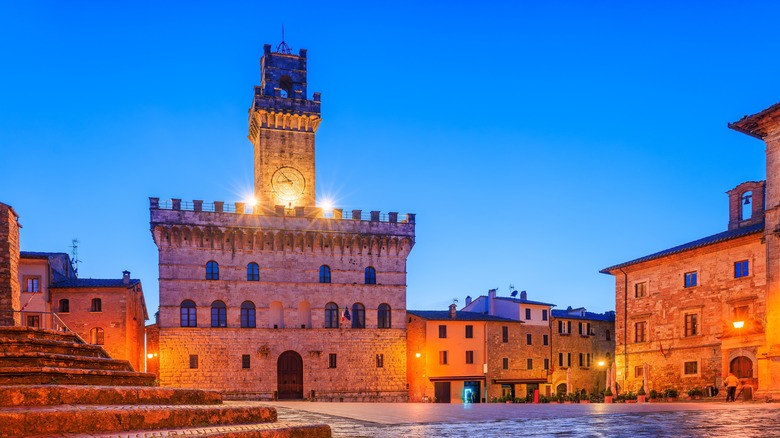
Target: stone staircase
x=51 y=383
x=41 y=356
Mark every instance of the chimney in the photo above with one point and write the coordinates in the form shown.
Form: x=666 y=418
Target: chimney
x=453 y=311
x=523 y=296
x=125 y=277
x=468 y=299
x=491 y=298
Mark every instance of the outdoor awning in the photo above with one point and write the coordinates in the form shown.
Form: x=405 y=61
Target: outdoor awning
x=443 y=378
x=541 y=380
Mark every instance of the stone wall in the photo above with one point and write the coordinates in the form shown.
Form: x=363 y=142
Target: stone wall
x=600 y=346
x=219 y=361
x=714 y=301
x=9 y=264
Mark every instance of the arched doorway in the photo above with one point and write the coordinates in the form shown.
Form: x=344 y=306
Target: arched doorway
x=289 y=372
x=742 y=367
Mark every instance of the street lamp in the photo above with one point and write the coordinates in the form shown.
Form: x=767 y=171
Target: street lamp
x=739 y=324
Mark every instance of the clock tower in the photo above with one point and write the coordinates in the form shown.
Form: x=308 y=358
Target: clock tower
x=282 y=125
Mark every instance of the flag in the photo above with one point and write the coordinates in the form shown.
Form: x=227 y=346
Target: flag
x=345 y=315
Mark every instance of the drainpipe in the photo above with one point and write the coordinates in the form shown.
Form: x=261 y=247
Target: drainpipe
x=625 y=326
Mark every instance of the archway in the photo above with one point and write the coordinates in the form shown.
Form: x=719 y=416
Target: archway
x=289 y=372
x=742 y=367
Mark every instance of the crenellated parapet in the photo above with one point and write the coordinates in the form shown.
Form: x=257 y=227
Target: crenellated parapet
x=178 y=224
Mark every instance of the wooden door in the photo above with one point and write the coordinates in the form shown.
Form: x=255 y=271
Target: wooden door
x=290 y=376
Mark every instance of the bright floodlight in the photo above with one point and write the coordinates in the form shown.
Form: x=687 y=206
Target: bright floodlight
x=601 y=363
x=739 y=324
x=417 y=355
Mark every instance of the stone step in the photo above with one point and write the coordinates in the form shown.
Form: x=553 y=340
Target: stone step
x=52 y=346
x=51 y=395
x=92 y=419
x=21 y=332
x=72 y=376
x=39 y=359
x=261 y=430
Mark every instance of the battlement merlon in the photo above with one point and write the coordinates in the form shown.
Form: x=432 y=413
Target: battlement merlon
x=197 y=214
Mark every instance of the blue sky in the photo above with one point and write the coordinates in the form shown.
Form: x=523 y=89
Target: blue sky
x=537 y=142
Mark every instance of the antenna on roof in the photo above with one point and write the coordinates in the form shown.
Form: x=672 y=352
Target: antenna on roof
x=283 y=47
x=74 y=256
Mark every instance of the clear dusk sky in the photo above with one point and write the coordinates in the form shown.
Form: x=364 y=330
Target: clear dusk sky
x=537 y=142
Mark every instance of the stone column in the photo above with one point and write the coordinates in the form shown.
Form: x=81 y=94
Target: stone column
x=10 y=293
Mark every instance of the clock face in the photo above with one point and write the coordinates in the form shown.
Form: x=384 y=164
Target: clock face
x=288 y=183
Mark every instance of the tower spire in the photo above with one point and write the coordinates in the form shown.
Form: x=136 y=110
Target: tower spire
x=283 y=47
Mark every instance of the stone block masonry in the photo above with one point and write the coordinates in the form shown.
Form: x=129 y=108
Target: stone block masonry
x=10 y=293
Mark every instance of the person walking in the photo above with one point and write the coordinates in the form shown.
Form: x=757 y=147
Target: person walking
x=731 y=382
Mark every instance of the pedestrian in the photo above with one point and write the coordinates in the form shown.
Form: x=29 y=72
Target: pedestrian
x=731 y=382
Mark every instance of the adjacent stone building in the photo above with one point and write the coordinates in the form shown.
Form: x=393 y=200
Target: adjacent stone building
x=468 y=357
x=282 y=298
x=10 y=295
x=583 y=346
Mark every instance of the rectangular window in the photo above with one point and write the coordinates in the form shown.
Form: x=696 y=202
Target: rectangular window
x=741 y=269
x=527 y=314
x=582 y=360
x=640 y=289
x=380 y=360
x=245 y=360
x=588 y=330
x=546 y=339
x=528 y=339
x=97 y=305
x=193 y=361
x=639 y=371
x=560 y=359
x=469 y=331
x=332 y=360
x=33 y=321
x=564 y=327
x=547 y=364
x=580 y=329
x=469 y=357
x=691 y=279
x=544 y=314
x=568 y=326
x=691 y=324
x=587 y=362
x=691 y=368
x=568 y=359
x=529 y=364
x=442 y=331
x=505 y=363
x=442 y=358
x=505 y=333
x=639 y=331
x=32 y=284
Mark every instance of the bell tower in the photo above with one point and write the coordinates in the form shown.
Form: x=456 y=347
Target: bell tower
x=282 y=125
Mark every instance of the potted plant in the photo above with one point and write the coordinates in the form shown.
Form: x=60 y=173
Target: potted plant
x=641 y=395
x=670 y=394
x=608 y=395
x=568 y=398
x=695 y=393
x=631 y=397
x=655 y=397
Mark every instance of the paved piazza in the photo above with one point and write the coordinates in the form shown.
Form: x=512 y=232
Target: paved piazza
x=498 y=420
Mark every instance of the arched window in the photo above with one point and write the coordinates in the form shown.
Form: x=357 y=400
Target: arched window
x=64 y=306
x=212 y=270
x=358 y=316
x=189 y=314
x=746 y=211
x=252 y=272
x=97 y=305
x=331 y=315
x=285 y=83
x=218 y=314
x=370 y=275
x=561 y=389
x=383 y=316
x=324 y=274
x=96 y=336
x=248 y=314
x=742 y=367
